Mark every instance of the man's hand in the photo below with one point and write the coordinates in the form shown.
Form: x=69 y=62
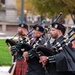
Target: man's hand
x=43 y=60
x=25 y=55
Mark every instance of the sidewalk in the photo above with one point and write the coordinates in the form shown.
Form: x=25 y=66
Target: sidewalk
x=4 y=70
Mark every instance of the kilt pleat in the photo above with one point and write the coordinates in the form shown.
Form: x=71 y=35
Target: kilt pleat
x=21 y=67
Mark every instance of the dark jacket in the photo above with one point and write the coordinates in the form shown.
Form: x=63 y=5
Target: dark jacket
x=34 y=67
x=65 y=61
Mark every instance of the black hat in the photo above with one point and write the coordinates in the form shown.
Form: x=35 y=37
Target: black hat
x=59 y=27
x=38 y=28
x=23 y=26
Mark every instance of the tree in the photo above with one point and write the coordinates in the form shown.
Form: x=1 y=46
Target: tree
x=70 y=6
x=51 y=7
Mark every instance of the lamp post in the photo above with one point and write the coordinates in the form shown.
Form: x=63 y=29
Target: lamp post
x=22 y=11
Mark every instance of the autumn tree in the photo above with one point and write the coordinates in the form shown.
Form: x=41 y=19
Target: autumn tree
x=51 y=7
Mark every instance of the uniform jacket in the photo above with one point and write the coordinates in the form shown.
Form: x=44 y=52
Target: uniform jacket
x=34 y=67
x=65 y=61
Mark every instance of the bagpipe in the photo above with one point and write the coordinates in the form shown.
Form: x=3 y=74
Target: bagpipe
x=25 y=46
x=68 y=38
x=22 y=45
x=11 y=42
x=64 y=43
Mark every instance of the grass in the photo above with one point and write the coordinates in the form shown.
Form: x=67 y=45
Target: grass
x=5 y=56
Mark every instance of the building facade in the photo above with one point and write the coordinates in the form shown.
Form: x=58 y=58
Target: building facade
x=8 y=12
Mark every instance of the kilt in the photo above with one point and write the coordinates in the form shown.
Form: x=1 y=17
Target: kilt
x=21 y=67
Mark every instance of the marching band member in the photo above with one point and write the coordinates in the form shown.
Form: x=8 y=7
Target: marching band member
x=21 y=64
x=34 y=67
x=60 y=63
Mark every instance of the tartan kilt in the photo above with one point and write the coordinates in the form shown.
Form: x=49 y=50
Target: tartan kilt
x=21 y=67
